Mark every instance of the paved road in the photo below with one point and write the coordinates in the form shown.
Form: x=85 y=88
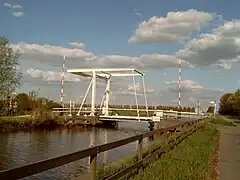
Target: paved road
x=229 y=157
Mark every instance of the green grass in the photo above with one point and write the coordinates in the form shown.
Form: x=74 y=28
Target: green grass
x=39 y=119
x=222 y=121
x=124 y=162
x=190 y=160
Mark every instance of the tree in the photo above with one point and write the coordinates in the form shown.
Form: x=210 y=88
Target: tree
x=192 y=109
x=9 y=75
x=210 y=109
x=33 y=96
x=23 y=103
x=235 y=103
x=230 y=104
x=225 y=104
x=51 y=104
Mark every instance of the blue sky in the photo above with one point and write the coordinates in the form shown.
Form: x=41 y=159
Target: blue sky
x=106 y=26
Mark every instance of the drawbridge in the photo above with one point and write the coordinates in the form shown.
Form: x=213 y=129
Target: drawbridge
x=106 y=74
x=104 y=112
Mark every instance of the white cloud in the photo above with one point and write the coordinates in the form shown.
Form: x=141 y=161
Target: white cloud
x=221 y=48
x=13 y=6
x=223 y=65
x=18 y=14
x=186 y=86
x=50 y=75
x=53 y=56
x=145 y=61
x=7 y=5
x=139 y=87
x=192 y=91
x=174 y=28
x=192 y=99
x=78 y=45
x=229 y=29
x=17 y=6
x=124 y=93
x=136 y=11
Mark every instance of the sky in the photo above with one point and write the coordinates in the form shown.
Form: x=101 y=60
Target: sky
x=151 y=36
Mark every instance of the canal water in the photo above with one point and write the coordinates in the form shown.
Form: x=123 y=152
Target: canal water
x=21 y=148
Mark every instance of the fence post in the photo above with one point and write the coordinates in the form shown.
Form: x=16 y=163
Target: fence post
x=174 y=134
x=140 y=144
x=93 y=166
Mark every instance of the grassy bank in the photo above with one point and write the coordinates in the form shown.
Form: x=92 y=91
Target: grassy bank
x=39 y=119
x=192 y=159
x=221 y=121
x=114 y=167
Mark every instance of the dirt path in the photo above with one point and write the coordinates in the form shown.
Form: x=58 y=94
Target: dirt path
x=229 y=157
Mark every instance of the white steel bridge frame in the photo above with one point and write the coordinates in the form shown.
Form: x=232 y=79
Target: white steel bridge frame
x=106 y=74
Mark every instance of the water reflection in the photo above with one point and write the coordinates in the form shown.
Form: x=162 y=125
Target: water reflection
x=21 y=148
x=105 y=154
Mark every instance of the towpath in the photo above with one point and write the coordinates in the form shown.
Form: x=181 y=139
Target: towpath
x=229 y=156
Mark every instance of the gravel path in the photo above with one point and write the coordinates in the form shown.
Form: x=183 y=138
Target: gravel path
x=229 y=157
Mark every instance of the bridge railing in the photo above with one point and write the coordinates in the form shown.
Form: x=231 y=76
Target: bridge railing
x=34 y=168
x=166 y=113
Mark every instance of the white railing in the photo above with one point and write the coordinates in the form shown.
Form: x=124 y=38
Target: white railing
x=168 y=113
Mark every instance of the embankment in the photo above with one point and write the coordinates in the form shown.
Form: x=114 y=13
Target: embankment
x=37 y=120
x=194 y=157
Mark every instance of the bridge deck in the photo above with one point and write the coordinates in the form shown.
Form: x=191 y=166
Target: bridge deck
x=123 y=118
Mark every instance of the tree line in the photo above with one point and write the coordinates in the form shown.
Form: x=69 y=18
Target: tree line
x=230 y=104
x=23 y=104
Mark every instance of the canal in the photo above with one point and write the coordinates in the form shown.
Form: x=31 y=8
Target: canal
x=21 y=148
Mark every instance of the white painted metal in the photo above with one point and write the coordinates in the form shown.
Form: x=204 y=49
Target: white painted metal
x=73 y=104
x=158 y=115
x=94 y=82
x=135 y=94
x=150 y=110
x=101 y=70
x=107 y=96
x=84 y=98
x=120 y=75
x=122 y=118
x=145 y=95
x=102 y=105
x=106 y=73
